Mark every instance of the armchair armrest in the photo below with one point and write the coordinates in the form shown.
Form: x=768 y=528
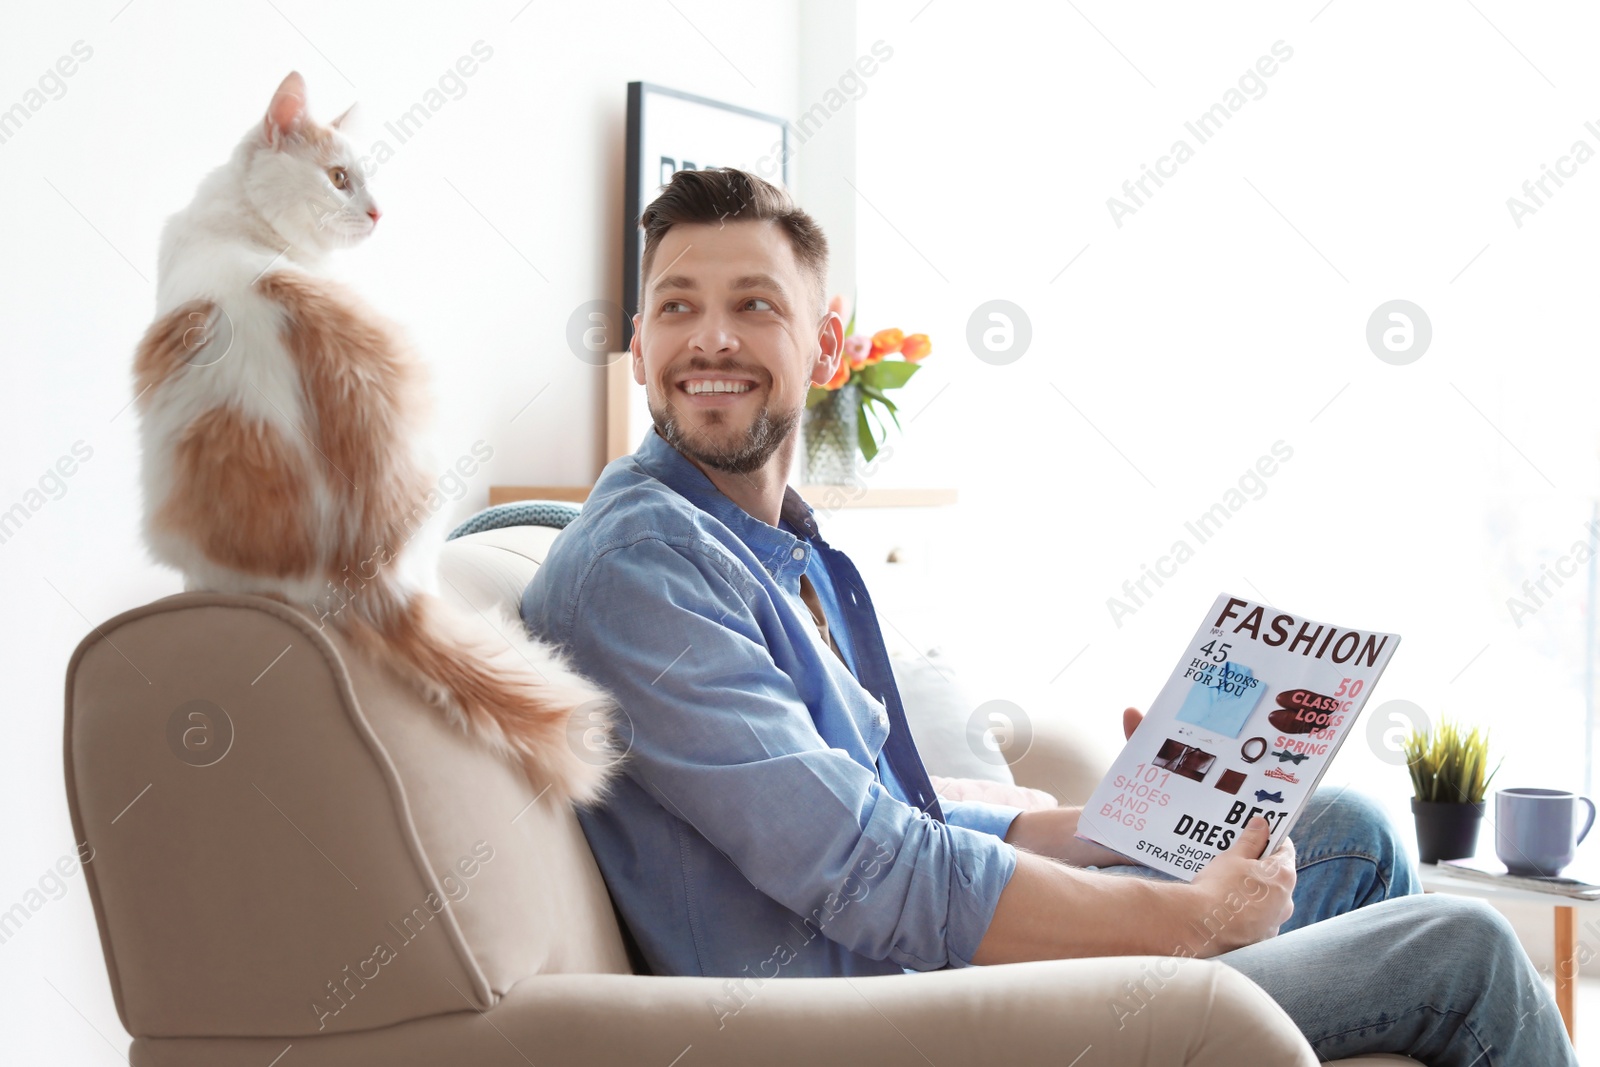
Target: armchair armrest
x=1190 y=1012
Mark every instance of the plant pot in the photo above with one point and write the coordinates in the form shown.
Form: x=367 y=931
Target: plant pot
x=1446 y=830
x=830 y=436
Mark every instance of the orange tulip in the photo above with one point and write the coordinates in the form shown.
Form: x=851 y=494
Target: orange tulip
x=915 y=347
x=886 y=342
x=841 y=376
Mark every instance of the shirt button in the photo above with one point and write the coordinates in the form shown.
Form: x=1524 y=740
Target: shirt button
x=798 y=553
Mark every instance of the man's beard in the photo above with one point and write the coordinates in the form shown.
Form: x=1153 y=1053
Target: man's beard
x=760 y=441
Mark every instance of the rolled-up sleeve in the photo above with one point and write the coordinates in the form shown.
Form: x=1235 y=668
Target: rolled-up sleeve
x=719 y=735
x=980 y=815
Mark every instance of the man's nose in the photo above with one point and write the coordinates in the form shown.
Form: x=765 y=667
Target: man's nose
x=714 y=334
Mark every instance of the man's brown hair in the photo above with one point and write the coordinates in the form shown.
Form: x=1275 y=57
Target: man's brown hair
x=723 y=193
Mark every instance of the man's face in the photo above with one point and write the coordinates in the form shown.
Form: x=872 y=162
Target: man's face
x=730 y=337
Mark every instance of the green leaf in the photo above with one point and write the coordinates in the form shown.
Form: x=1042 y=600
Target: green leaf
x=867 y=375
x=868 y=389
x=888 y=374
x=815 y=395
x=884 y=426
x=864 y=438
x=872 y=395
x=864 y=418
x=1448 y=763
x=892 y=414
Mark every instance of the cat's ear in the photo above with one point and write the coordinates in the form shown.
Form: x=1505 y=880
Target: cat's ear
x=339 y=122
x=287 y=110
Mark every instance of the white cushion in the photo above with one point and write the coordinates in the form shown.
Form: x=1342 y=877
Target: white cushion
x=954 y=741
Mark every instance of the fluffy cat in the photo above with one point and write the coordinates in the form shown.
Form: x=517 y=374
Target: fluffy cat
x=279 y=417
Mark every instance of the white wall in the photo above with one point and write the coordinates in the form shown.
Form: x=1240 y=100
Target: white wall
x=535 y=144
x=1228 y=313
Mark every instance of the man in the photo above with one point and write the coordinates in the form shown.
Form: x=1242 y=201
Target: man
x=774 y=816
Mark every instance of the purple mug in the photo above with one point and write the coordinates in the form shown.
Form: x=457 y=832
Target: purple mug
x=1536 y=830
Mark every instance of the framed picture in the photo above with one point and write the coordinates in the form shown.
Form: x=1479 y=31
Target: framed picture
x=669 y=131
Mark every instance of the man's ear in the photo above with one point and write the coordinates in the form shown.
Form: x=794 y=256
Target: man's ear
x=830 y=349
x=638 y=353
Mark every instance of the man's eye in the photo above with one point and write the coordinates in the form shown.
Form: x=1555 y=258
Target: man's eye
x=671 y=305
x=758 y=300
x=339 y=177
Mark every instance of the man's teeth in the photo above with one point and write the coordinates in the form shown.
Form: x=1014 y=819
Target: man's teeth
x=717 y=387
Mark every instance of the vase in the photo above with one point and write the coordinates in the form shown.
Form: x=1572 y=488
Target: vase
x=1446 y=830
x=830 y=436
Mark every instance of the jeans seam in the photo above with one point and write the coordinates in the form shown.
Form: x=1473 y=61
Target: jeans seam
x=1376 y=866
x=1466 y=1024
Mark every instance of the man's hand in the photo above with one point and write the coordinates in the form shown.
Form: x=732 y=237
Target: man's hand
x=1242 y=896
x=1051 y=910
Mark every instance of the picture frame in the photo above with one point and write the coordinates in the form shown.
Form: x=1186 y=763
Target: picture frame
x=668 y=131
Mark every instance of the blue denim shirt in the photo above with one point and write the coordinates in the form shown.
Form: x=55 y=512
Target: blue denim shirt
x=767 y=823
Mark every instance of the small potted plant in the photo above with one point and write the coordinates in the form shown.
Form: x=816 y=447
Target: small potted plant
x=1450 y=774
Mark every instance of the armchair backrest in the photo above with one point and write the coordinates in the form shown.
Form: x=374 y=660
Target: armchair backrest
x=285 y=840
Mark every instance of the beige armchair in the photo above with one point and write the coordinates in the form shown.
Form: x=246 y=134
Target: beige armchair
x=296 y=863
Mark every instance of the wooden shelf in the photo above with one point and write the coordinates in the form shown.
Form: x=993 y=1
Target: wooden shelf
x=509 y=494
x=866 y=496
x=827 y=497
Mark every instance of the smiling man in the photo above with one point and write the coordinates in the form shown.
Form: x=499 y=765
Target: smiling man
x=774 y=818
x=736 y=340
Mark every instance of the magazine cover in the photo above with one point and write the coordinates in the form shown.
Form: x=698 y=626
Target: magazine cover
x=1247 y=725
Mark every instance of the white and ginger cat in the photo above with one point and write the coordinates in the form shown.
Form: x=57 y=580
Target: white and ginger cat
x=279 y=418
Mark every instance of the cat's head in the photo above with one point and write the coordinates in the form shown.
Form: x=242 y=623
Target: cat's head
x=305 y=178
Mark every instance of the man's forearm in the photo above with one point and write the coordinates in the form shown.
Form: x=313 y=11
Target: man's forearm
x=1052 y=911
x=1051 y=832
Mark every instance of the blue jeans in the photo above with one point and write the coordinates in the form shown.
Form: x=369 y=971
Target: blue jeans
x=1367 y=964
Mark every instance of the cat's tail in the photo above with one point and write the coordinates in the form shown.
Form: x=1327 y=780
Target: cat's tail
x=505 y=687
